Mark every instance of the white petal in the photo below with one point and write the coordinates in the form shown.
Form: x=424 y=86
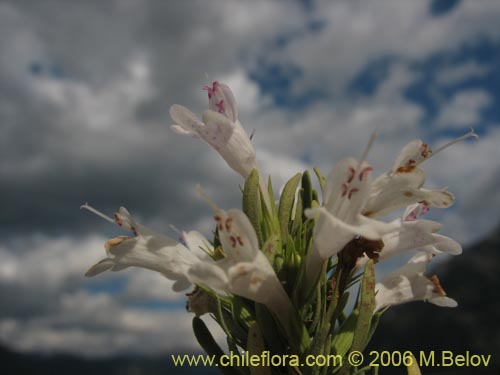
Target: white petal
x=443 y=301
x=347 y=189
x=392 y=191
x=237 y=236
x=100 y=267
x=181 y=285
x=231 y=141
x=409 y=155
x=211 y=275
x=411 y=235
x=182 y=131
x=186 y=119
x=447 y=245
x=197 y=243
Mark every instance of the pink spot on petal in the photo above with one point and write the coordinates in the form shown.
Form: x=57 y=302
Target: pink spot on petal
x=221 y=106
x=344 y=189
x=364 y=172
x=351 y=192
x=211 y=90
x=233 y=241
x=352 y=172
x=118 y=220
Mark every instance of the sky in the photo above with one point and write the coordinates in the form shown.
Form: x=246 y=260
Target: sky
x=85 y=91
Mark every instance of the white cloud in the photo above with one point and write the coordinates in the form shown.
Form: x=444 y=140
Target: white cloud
x=453 y=74
x=464 y=109
x=59 y=315
x=104 y=130
x=96 y=325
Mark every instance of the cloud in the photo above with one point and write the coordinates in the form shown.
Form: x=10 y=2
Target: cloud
x=455 y=74
x=49 y=306
x=464 y=109
x=84 y=103
x=96 y=325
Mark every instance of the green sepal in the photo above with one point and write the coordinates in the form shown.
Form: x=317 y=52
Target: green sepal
x=256 y=346
x=252 y=205
x=286 y=204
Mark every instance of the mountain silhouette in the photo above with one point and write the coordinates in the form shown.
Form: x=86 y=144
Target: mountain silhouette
x=473 y=279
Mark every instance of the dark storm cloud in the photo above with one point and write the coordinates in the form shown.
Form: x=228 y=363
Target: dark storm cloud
x=52 y=160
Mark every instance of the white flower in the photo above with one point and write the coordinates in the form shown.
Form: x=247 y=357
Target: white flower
x=245 y=270
x=408 y=283
x=341 y=219
x=402 y=185
x=412 y=233
x=220 y=128
x=151 y=250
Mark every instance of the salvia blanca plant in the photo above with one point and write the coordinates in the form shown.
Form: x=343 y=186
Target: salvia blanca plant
x=277 y=276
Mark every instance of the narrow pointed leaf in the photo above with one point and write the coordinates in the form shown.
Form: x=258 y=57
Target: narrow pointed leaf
x=306 y=191
x=366 y=306
x=208 y=343
x=342 y=341
x=321 y=179
x=255 y=345
x=252 y=205
x=413 y=369
x=286 y=203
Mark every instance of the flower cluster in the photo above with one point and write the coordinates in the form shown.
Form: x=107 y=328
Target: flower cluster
x=286 y=270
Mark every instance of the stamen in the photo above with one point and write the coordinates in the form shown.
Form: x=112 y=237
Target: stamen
x=367 y=149
x=438 y=289
x=425 y=150
x=115 y=241
x=456 y=140
x=98 y=213
x=203 y=195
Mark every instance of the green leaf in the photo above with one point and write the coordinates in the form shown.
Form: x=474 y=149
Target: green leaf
x=252 y=205
x=342 y=341
x=321 y=179
x=413 y=368
x=366 y=307
x=207 y=342
x=271 y=196
x=271 y=246
x=297 y=216
x=307 y=192
x=286 y=204
x=269 y=329
x=255 y=345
